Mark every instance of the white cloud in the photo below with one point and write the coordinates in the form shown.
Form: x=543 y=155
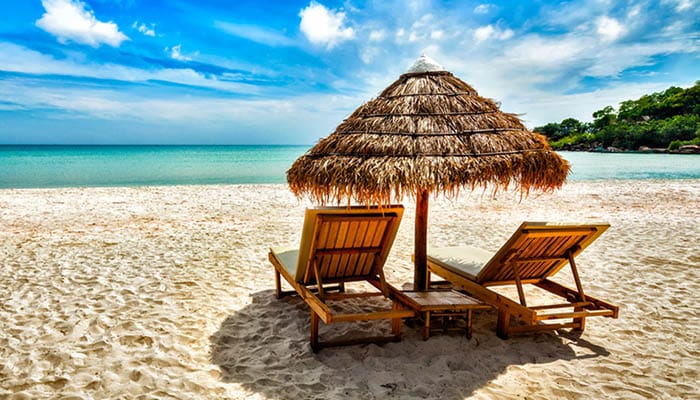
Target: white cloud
x=20 y=59
x=609 y=28
x=483 y=8
x=145 y=29
x=634 y=12
x=307 y=116
x=535 y=74
x=68 y=20
x=534 y=51
x=323 y=26
x=505 y=34
x=377 y=36
x=484 y=33
x=176 y=53
x=368 y=54
x=437 y=35
x=255 y=33
x=684 y=5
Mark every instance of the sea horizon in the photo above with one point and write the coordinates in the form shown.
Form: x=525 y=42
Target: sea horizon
x=110 y=165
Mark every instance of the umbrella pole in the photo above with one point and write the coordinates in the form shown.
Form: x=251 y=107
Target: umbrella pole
x=420 y=272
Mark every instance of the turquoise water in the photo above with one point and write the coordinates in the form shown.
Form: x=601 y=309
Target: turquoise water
x=596 y=166
x=68 y=166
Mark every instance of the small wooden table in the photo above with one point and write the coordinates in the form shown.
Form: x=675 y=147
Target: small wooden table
x=445 y=304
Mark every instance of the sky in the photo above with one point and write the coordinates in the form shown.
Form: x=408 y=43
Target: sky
x=288 y=72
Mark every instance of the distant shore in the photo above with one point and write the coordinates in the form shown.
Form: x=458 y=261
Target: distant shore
x=687 y=149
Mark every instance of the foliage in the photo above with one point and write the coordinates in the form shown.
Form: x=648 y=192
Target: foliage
x=676 y=144
x=667 y=119
x=577 y=138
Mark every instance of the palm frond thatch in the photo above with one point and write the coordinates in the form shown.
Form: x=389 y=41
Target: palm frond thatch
x=428 y=131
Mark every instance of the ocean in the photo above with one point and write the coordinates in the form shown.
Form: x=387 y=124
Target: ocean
x=76 y=166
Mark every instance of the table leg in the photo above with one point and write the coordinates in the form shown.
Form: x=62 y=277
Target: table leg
x=469 y=323
x=426 y=327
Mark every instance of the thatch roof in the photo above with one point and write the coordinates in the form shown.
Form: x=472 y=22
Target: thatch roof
x=427 y=131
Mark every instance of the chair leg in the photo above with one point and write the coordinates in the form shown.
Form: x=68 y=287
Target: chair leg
x=580 y=321
x=469 y=323
x=278 y=285
x=314 y=332
x=503 y=324
x=396 y=322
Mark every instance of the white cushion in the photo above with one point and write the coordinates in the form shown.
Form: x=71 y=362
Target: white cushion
x=287 y=257
x=464 y=260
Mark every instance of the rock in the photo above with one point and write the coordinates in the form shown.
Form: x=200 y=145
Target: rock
x=645 y=149
x=689 y=149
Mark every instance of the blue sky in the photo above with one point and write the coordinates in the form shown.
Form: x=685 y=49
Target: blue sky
x=288 y=72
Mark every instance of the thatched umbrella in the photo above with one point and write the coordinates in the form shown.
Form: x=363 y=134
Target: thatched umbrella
x=428 y=132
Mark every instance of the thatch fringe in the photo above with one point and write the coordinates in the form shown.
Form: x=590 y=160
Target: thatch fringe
x=426 y=131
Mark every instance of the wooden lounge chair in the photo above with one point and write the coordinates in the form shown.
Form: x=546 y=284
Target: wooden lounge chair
x=534 y=253
x=341 y=245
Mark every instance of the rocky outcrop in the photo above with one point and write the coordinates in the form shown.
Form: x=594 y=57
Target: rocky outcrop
x=645 y=149
x=598 y=148
x=689 y=149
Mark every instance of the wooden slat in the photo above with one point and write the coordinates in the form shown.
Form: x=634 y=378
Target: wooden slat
x=561 y=305
x=330 y=261
x=348 y=250
x=375 y=232
x=323 y=233
x=542 y=327
x=510 y=282
x=372 y=316
x=362 y=241
x=341 y=259
x=575 y=314
x=532 y=269
x=343 y=296
x=539 y=233
x=352 y=242
x=536 y=246
x=554 y=245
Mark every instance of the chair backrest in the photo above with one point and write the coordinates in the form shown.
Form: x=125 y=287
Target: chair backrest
x=346 y=243
x=539 y=250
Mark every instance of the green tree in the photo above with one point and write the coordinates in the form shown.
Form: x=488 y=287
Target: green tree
x=679 y=127
x=604 y=117
x=654 y=120
x=571 y=126
x=552 y=130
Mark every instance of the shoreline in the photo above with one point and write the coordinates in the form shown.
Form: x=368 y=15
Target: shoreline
x=683 y=150
x=204 y=185
x=166 y=291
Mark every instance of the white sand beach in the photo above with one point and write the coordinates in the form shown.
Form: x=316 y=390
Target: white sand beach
x=166 y=292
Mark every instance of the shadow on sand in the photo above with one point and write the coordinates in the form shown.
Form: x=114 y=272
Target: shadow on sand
x=265 y=348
